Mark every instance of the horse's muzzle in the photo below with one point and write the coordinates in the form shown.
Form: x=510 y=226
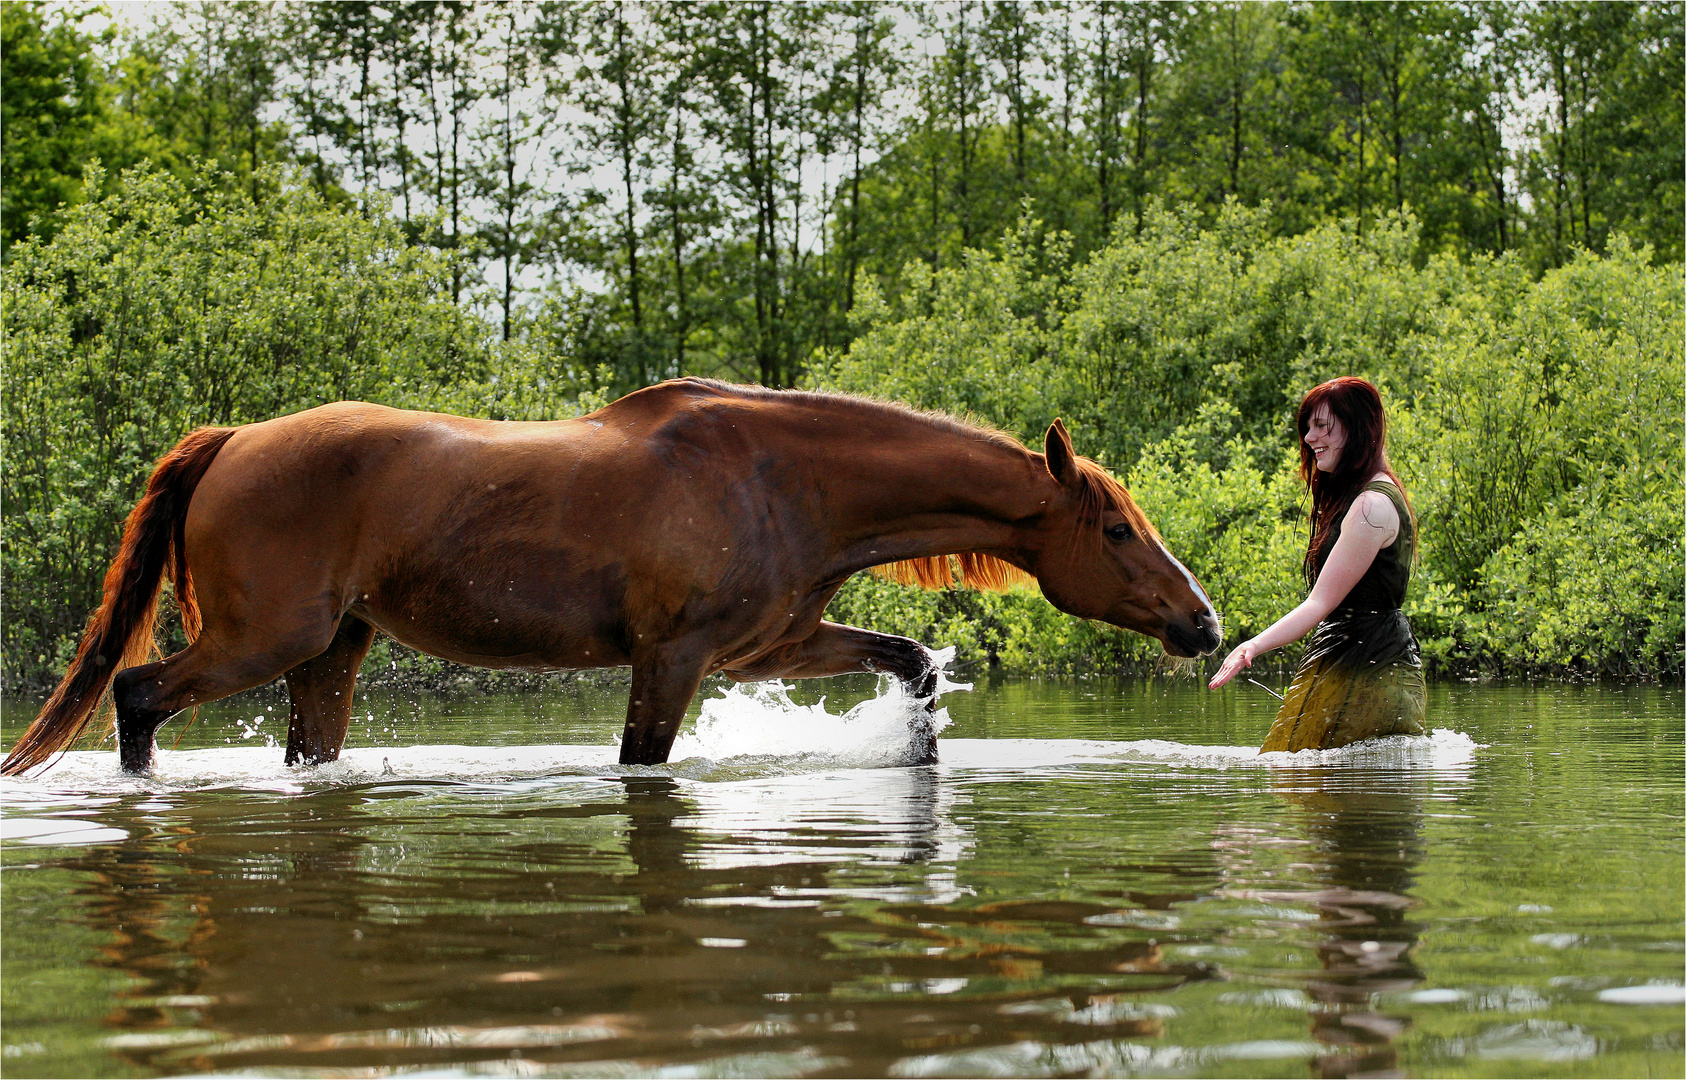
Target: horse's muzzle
x=1193 y=637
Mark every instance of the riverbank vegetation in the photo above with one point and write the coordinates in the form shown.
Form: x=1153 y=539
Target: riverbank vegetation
x=1161 y=222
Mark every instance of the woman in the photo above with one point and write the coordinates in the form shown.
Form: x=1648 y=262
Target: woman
x=1361 y=677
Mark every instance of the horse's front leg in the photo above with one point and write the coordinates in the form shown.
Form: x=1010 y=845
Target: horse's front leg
x=664 y=680
x=835 y=649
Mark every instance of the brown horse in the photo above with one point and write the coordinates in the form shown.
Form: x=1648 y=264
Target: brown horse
x=686 y=529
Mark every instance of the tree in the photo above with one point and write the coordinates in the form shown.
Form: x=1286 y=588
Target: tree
x=750 y=112
x=1611 y=138
x=53 y=99
x=865 y=76
x=506 y=166
x=1012 y=39
x=683 y=200
x=614 y=92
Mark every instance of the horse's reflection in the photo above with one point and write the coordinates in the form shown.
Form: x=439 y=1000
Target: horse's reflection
x=597 y=921
x=1367 y=830
x=642 y=919
x=910 y=812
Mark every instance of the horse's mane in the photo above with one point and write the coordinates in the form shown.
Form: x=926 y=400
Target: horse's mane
x=1098 y=493
x=938 y=572
x=1101 y=492
x=930 y=417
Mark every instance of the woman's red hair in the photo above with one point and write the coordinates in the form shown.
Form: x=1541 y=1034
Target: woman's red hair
x=1358 y=406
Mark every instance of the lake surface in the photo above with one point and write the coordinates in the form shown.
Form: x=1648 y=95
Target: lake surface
x=1101 y=878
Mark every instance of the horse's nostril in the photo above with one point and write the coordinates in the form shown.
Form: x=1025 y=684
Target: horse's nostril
x=1200 y=634
x=1193 y=637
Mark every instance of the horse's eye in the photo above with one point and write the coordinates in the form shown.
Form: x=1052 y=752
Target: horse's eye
x=1118 y=532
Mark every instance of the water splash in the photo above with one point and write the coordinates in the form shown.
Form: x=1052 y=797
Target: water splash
x=748 y=731
x=1443 y=750
x=760 y=720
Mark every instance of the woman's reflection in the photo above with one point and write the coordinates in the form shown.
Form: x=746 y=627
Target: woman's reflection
x=1367 y=828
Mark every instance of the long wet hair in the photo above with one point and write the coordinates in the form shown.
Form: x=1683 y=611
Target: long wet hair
x=1358 y=406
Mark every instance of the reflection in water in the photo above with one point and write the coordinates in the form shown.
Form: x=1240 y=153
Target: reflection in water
x=647 y=920
x=1368 y=832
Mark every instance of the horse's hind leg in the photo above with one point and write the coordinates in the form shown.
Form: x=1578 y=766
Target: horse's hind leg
x=140 y=710
x=211 y=668
x=320 y=690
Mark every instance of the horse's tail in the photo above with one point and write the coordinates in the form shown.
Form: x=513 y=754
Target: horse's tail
x=119 y=634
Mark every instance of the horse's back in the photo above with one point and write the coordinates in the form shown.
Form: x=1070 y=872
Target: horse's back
x=352 y=482
x=344 y=453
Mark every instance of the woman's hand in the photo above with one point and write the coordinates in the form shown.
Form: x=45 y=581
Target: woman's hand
x=1241 y=657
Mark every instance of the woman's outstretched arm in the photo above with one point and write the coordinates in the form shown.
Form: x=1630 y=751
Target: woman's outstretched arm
x=1371 y=524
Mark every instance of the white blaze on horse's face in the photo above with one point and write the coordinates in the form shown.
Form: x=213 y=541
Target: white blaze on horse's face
x=1326 y=436
x=1115 y=569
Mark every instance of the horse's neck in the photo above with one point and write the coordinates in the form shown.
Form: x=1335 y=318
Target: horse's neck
x=936 y=492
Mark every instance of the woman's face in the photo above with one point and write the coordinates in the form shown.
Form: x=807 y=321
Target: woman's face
x=1326 y=437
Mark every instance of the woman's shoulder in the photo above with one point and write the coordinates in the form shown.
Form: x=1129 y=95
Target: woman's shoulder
x=1375 y=508
x=1385 y=487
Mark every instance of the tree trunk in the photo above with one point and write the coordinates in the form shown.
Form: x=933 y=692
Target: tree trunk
x=1144 y=75
x=1560 y=77
x=1235 y=92
x=681 y=326
x=963 y=109
x=629 y=228
x=1106 y=134
x=509 y=175
x=852 y=260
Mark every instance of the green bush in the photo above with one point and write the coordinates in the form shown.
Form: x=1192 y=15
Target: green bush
x=1589 y=585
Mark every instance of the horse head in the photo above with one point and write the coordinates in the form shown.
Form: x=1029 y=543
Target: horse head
x=1100 y=558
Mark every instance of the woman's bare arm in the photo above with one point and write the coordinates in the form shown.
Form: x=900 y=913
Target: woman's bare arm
x=1372 y=523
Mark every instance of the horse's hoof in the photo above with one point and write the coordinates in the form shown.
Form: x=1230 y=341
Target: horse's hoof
x=922 y=741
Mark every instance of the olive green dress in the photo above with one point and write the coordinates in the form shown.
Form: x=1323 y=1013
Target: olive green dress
x=1362 y=677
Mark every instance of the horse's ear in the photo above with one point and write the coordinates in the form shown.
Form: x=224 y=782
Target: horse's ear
x=1062 y=459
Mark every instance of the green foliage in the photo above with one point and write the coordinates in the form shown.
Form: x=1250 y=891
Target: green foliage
x=1589 y=584
x=1313 y=112
x=1536 y=425
x=1547 y=453
x=659 y=158
x=190 y=91
x=51 y=106
x=984 y=330
x=1163 y=321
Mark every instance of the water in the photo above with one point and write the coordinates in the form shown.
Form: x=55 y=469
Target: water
x=1101 y=878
